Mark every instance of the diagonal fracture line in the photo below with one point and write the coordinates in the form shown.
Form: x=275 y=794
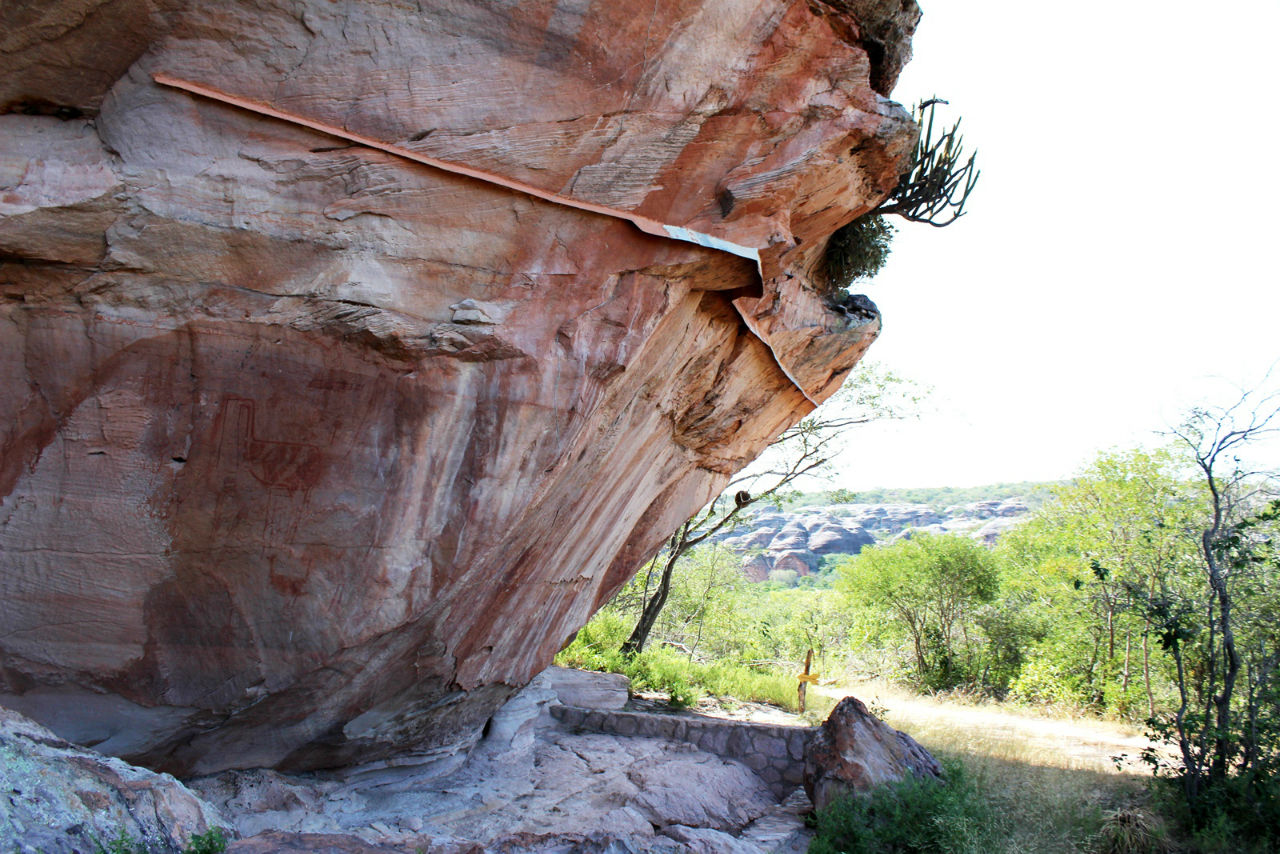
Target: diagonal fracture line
x=645 y=224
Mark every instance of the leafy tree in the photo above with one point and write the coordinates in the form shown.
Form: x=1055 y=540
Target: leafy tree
x=1123 y=529
x=932 y=586
x=703 y=603
x=1224 y=628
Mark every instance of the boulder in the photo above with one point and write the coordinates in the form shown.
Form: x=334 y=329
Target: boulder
x=988 y=533
x=1012 y=507
x=836 y=539
x=355 y=354
x=910 y=531
x=756 y=567
x=793 y=536
x=723 y=795
x=854 y=751
x=814 y=521
x=586 y=689
x=801 y=562
x=62 y=799
x=756 y=539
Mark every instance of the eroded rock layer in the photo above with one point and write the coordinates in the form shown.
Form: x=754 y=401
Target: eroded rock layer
x=310 y=451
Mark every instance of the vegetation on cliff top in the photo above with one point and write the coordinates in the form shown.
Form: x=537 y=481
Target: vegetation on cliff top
x=933 y=190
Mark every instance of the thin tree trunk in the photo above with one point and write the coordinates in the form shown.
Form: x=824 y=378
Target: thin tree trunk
x=1146 y=670
x=1128 y=638
x=649 y=616
x=1222 y=746
x=1111 y=634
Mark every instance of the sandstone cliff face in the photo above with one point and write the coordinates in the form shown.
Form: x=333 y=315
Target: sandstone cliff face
x=351 y=366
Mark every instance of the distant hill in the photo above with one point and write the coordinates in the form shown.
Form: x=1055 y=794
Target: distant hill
x=1033 y=493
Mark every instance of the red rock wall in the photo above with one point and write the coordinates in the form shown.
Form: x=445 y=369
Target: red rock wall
x=309 y=452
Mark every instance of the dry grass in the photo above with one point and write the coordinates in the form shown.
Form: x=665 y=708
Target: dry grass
x=1051 y=780
x=1005 y=732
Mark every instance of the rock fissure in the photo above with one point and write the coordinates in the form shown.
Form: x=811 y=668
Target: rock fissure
x=645 y=224
x=674 y=232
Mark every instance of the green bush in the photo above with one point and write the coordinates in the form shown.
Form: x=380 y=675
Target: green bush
x=596 y=647
x=1236 y=814
x=212 y=841
x=121 y=843
x=913 y=816
x=665 y=671
x=742 y=683
x=1132 y=831
x=857 y=251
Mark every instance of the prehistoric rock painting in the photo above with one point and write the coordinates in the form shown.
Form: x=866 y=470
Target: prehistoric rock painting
x=285 y=471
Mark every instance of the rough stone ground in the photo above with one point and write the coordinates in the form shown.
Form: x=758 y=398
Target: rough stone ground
x=639 y=794
x=529 y=786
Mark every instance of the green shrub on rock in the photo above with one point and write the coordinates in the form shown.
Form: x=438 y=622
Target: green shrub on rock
x=857 y=251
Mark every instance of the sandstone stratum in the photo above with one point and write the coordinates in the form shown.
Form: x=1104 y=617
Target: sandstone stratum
x=354 y=353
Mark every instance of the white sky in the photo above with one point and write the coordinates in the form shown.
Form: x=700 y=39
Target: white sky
x=1119 y=247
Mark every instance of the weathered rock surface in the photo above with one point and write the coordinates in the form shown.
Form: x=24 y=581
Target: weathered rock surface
x=56 y=798
x=561 y=789
x=854 y=751
x=587 y=689
x=535 y=784
x=311 y=450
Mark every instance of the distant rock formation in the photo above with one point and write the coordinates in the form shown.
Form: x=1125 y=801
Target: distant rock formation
x=356 y=353
x=796 y=541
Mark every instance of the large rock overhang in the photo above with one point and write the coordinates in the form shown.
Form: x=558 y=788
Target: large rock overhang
x=356 y=353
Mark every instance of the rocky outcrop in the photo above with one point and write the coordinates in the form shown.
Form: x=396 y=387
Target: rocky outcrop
x=61 y=799
x=356 y=353
x=532 y=785
x=794 y=542
x=550 y=778
x=854 y=751
x=779 y=541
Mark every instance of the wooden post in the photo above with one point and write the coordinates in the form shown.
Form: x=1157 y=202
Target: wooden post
x=806 y=678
